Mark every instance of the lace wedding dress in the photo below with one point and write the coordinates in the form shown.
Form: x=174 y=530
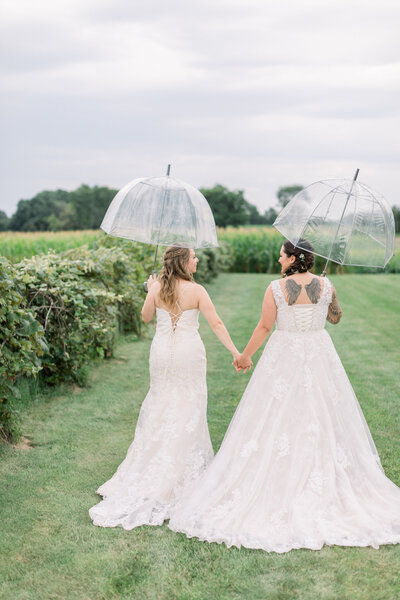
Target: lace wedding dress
x=297 y=467
x=172 y=445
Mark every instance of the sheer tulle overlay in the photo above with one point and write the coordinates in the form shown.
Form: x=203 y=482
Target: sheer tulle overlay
x=172 y=445
x=298 y=467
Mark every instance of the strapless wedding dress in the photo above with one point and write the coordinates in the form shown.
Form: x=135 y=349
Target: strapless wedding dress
x=172 y=445
x=298 y=467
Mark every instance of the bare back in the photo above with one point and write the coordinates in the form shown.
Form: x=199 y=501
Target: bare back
x=187 y=296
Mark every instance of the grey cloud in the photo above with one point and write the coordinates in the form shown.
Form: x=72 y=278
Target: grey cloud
x=173 y=12
x=24 y=48
x=258 y=97
x=219 y=33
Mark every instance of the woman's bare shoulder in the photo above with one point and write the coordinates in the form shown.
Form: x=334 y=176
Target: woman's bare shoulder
x=197 y=288
x=193 y=285
x=191 y=288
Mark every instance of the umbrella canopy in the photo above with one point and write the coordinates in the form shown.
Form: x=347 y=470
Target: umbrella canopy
x=344 y=220
x=161 y=211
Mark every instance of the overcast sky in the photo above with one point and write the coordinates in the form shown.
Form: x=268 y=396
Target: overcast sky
x=253 y=94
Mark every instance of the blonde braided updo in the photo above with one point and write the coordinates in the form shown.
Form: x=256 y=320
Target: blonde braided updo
x=174 y=267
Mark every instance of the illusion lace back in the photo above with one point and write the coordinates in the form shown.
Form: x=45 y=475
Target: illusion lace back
x=172 y=445
x=298 y=467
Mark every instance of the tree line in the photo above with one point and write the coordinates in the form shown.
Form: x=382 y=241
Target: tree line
x=58 y=210
x=85 y=207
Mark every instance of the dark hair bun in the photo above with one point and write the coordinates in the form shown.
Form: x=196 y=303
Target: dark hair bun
x=304 y=256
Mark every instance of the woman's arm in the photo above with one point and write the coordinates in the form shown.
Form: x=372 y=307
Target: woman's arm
x=264 y=326
x=149 y=306
x=334 y=311
x=207 y=309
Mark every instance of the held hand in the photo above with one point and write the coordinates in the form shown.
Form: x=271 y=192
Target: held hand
x=243 y=362
x=235 y=356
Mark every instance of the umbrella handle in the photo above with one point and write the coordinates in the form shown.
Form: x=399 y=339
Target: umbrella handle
x=145 y=287
x=154 y=272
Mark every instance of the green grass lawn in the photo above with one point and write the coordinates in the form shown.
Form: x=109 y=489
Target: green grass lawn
x=49 y=547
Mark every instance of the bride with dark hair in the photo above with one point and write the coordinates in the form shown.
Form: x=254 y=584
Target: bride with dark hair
x=298 y=467
x=172 y=444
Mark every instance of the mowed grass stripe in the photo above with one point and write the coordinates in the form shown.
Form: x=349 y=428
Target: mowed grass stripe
x=50 y=548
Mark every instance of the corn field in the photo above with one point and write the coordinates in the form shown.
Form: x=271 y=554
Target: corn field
x=251 y=249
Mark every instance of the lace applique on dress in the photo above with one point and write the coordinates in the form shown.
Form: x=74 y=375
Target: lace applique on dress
x=316 y=482
x=282 y=444
x=326 y=295
x=341 y=456
x=249 y=448
x=277 y=292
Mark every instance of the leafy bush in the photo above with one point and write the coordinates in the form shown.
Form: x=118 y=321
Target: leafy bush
x=211 y=260
x=77 y=315
x=129 y=266
x=57 y=311
x=22 y=344
x=60 y=310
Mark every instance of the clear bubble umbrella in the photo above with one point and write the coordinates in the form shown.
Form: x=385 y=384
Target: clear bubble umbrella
x=162 y=211
x=345 y=221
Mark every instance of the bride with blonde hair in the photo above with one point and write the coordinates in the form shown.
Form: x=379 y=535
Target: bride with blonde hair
x=172 y=445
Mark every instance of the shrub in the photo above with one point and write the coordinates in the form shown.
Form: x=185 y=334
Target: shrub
x=58 y=311
x=22 y=344
x=77 y=315
x=122 y=267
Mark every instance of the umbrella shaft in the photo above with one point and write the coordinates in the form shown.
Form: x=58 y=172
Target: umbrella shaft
x=155 y=261
x=340 y=221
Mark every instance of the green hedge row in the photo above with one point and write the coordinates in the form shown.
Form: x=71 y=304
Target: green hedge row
x=60 y=310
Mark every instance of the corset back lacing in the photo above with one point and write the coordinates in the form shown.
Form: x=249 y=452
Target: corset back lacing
x=303 y=316
x=176 y=316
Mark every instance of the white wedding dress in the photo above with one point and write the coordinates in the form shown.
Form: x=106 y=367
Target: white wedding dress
x=297 y=467
x=172 y=444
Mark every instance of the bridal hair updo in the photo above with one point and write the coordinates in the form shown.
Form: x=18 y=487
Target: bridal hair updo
x=304 y=256
x=174 y=267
